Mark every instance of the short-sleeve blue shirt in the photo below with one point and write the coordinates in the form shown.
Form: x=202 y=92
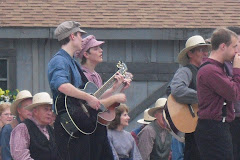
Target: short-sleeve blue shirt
x=62 y=68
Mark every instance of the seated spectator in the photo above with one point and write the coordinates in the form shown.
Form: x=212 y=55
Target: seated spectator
x=5 y=115
x=144 y=121
x=23 y=99
x=123 y=144
x=33 y=139
x=154 y=139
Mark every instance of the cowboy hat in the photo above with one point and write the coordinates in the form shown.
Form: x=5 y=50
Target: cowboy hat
x=158 y=105
x=192 y=42
x=40 y=99
x=22 y=95
x=146 y=118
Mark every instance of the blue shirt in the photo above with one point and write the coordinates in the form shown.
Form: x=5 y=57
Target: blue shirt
x=62 y=68
x=5 y=139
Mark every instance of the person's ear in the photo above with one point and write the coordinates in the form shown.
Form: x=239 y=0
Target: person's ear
x=222 y=46
x=71 y=37
x=85 y=54
x=189 y=54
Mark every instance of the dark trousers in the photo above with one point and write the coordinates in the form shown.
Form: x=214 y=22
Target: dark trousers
x=235 y=132
x=191 y=151
x=214 y=140
x=87 y=147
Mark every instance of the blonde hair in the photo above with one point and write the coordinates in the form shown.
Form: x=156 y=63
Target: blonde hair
x=4 y=106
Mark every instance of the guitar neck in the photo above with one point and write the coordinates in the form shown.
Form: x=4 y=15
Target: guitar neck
x=105 y=87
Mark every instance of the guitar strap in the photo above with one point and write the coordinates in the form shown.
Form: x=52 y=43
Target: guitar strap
x=83 y=77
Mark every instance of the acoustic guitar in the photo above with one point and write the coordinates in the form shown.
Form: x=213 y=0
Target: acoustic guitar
x=77 y=117
x=183 y=116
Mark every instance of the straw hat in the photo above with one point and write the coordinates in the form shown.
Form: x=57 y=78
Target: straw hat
x=158 y=105
x=22 y=95
x=146 y=118
x=192 y=42
x=40 y=99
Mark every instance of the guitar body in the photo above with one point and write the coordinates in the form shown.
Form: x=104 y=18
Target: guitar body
x=75 y=114
x=108 y=115
x=76 y=117
x=181 y=115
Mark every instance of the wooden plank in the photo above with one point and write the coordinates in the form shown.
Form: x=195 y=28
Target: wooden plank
x=176 y=50
x=24 y=64
x=140 y=67
x=105 y=51
x=35 y=69
x=128 y=51
x=148 y=101
x=141 y=51
x=110 y=34
x=46 y=60
x=154 y=51
x=143 y=77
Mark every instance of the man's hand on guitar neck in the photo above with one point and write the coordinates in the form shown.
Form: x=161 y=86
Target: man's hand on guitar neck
x=116 y=98
x=69 y=90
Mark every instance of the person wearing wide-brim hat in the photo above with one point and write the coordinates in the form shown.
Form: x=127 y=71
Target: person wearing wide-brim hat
x=21 y=96
x=34 y=137
x=18 y=109
x=193 y=43
x=183 y=85
x=147 y=119
x=154 y=141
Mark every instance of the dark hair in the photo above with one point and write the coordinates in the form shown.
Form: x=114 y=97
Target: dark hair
x=119 y=110
x=221 y=35
x=84 y=60
x=67 y=39
x=234 y=29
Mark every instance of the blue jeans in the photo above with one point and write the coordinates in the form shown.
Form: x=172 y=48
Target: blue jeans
x=177 y=149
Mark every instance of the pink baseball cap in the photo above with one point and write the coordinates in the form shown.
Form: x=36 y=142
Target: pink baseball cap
x=88 y=42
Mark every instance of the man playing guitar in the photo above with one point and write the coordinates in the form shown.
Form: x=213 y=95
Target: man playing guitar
x=183 y=84
x=64 y=77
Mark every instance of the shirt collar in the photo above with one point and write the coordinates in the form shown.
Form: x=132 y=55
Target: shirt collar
x=43 y=127
x=65 y=54
x=215 y=62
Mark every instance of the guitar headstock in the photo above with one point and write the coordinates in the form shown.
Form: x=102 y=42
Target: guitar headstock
x=122 y=67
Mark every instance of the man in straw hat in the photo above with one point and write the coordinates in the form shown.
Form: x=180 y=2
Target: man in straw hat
x=18 y=109
x=216 y=94
x=33 y=139
x=183 y=85
x=147 y=119
x=154 y=139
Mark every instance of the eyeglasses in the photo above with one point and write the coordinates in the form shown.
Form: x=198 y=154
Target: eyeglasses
x=203 y=49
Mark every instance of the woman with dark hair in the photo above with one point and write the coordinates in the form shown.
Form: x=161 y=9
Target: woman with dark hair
x=123 y=144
